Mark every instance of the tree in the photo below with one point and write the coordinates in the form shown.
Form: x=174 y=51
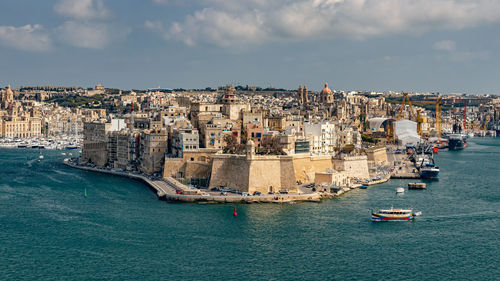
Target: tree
x=348 y=148
x=232 y=146
x=271 y=145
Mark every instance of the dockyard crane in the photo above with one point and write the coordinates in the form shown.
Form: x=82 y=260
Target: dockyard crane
x=438 y=117
x=485 y=126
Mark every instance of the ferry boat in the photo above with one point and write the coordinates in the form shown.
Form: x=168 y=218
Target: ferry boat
x=394 y=215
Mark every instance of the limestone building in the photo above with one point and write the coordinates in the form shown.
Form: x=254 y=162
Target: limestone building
x=153 y=149
x=184 y=140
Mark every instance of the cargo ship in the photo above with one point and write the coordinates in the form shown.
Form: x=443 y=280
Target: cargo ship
x=456 y=142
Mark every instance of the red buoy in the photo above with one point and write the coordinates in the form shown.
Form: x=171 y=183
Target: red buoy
x=235 y=213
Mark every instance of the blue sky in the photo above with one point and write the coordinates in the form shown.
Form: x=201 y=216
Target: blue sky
x=421 y=45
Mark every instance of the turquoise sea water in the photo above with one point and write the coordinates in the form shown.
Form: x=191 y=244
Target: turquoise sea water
x=50 y=231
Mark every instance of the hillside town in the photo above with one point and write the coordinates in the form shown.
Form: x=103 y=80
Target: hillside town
x=250 y=140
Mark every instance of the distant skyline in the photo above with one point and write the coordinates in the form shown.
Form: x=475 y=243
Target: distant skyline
x=446 y=46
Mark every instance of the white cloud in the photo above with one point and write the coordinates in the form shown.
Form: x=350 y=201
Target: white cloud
x=218 y=28
x=89 y=35
x=26 y=38
x=233 y=23
x=445 y=45
x=82 y=9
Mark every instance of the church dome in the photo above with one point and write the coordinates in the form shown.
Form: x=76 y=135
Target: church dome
x=9 y=90
x=326 y=90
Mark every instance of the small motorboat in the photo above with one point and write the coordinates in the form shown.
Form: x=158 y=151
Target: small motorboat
x=394 y=215
x=400 y=190
x=363 y=187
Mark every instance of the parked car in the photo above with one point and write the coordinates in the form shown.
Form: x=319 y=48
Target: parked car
x=178 y=191
x=215 y=189
x=205 y=194
x=257 y=193
x=223 y=193
x=284 y=191
x=245 y=194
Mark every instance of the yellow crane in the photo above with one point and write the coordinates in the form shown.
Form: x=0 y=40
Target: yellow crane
x=485 y=126
x=438 y=117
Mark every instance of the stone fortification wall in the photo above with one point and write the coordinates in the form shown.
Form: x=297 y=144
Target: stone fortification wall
x=265 y=174
x=378 y=156
x=230 y=171
x=172 y=167
x=305 y=166
x=194 y=164
x=197 y=170
x=260 y=173
x=354 y=166
x=274 y=173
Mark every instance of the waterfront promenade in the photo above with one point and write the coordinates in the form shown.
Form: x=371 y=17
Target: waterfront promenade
x=168 y=188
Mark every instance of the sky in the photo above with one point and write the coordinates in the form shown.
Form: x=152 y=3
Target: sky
x=446 y=46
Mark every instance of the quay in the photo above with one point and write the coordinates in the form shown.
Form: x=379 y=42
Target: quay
x=406 y=176
x=167 y=189
x=403 y=167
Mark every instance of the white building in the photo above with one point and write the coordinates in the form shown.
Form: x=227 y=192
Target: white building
x=322 y=137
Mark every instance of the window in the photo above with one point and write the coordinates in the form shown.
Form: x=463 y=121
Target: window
x=192 y=159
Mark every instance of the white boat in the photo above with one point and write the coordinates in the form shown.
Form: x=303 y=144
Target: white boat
x=400 y=190
x=394 y=215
